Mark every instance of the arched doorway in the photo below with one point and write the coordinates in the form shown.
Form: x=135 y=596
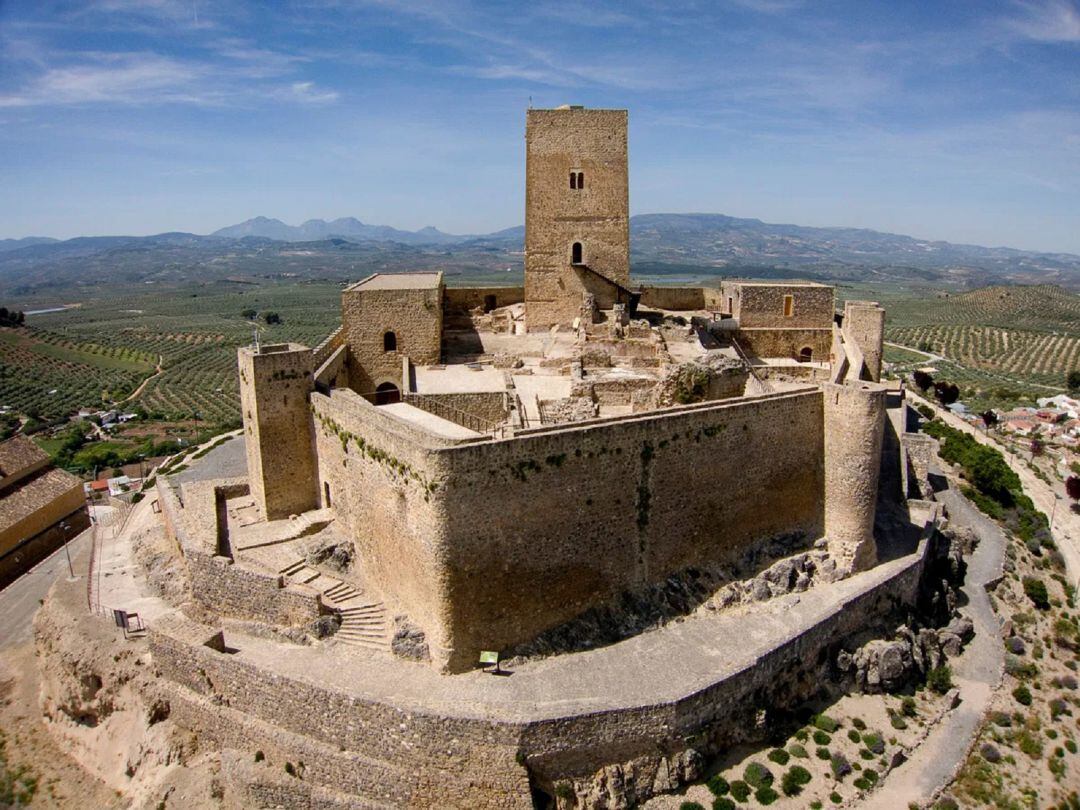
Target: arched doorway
x=387 y=394
x=575 y=253
x=389 y=342
x=806 y=354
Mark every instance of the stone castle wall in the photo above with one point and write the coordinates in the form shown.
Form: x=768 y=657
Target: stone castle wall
x=682 y=298
x=557 y=142
x=463 y=300
x=415 y=317
x=770 y=342
x=420 y=755
x=274 y=385
x=488 y=543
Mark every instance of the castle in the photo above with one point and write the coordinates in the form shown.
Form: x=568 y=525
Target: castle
x=460 y=470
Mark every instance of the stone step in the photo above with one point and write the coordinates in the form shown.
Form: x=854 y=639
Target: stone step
x=368 y=644
x=364 y=618
x=293 y=568
x=339 y=588
x=356 y=610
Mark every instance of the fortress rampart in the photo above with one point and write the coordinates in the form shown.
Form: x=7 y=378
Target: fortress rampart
x=418 y=745
x=488 y=543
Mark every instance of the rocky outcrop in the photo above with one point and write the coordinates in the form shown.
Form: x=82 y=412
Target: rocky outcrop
x=714 y=376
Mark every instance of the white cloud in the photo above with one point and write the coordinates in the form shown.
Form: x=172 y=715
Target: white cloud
x=1047 y=21
x=307 y=93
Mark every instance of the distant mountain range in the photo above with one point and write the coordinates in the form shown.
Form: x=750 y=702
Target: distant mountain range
x=675 y=246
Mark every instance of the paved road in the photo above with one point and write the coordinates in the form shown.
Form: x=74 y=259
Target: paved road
x=977 y=673
x=20 y=600
x=225 y=461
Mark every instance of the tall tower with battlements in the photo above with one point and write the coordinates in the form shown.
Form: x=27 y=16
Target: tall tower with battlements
x=577 y=213
x=275 y=388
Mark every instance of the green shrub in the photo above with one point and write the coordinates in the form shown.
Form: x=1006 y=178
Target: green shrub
x=823 y=753
x=835 y=797
x=717 y=785
x=861 y=783
x=723 y=803
x=858 y=723
x=866 y=754
x=766 y=795
x=940 y=679
x=757 y=775
x=898 y=722
x=1022 y=695
x=826 y=723
x=947 y=803
x=816 y=804
x=802 y=735
x=740 y=791
x=1071 y=746
x=798 y=751
x=840 y=766
x=1036 y=592
x=821 y=738
x=779 y=756
x=907 y=706
x=853 y=735
x=691 y=806
x=792 y=782
x=565 y=791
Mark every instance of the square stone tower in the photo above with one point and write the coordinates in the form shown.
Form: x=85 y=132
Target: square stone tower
x=275 y=388
x=577 y=212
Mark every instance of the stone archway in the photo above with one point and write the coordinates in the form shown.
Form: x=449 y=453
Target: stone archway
x=387 y=394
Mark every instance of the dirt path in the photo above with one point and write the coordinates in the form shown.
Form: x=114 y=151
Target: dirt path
x=142 y=385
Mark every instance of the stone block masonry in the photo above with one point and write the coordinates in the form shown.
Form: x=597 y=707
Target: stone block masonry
x=593 y=211
x=275 y=381
x=487 y=544
x=864 y=325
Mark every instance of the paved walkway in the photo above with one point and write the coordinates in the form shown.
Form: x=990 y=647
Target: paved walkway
x=977 y=673
x=1066 y=521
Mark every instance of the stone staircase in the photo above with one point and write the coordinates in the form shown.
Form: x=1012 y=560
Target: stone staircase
x=363 y=622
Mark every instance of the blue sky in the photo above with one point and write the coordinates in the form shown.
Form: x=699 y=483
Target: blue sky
x=956 y=120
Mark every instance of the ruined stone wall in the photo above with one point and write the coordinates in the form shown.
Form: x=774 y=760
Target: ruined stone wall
x=854 y=432
x=334 y=341
x=783 y=342
x=415 y=316
x=217 y=582
x=544 y=526
x=761 y=305
x=463 y=300
x=864 y=326
x=593 y=142
x=274 y=386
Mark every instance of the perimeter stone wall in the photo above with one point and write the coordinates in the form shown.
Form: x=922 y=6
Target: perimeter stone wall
x=592 y=142
x=411 y=755
x=540 y=528
x=463 y=300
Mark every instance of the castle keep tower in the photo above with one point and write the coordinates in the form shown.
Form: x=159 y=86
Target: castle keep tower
x=577 y=212
x=275 y=384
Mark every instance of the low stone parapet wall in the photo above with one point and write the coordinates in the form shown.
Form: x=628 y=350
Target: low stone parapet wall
x=409 y=748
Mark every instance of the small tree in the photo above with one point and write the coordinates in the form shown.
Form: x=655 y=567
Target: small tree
x=271 y=317
x=922 y=380
x=989 y=418
x=1074 y=381
x=249 y=314
x=1037 y=447
x=1072 y=487
x=947 y=393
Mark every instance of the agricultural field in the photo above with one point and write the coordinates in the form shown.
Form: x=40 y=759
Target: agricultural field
x=1001 y=345
x=107 y=351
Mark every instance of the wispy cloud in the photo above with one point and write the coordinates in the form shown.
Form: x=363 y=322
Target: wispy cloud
x=1046 y=20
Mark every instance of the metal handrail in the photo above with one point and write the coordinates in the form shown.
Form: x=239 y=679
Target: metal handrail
x=443 y=410
x=749 y=365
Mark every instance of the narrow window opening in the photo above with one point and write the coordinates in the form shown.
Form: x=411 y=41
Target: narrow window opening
x=489 y=303
x=326 y=494
x=581 y=180
x=573 y=179
x=789 y=306
x=806 y=354
x=389 y=342
x=575 y=254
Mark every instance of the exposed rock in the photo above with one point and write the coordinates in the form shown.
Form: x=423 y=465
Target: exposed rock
x=715 y=376
x=409 y=641
x=337 y=556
